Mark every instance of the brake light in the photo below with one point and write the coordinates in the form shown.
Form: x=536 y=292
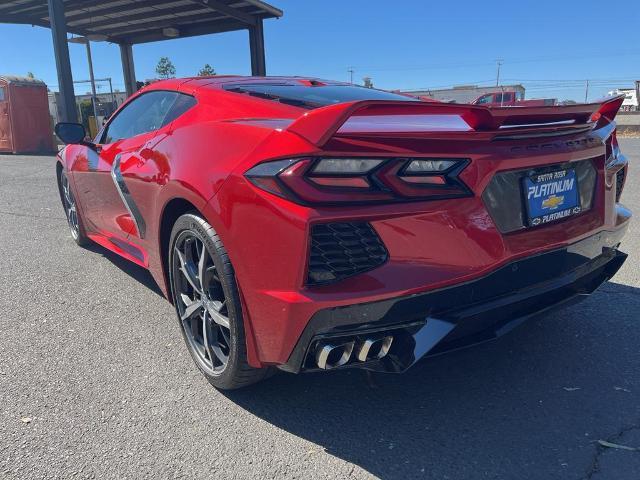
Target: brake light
x=336 y=180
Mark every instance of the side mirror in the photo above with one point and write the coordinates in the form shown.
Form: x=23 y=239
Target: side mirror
x=70 y=133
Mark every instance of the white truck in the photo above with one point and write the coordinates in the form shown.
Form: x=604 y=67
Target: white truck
x=630 y=103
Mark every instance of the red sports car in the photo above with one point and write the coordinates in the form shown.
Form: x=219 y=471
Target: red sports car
x=311 y=225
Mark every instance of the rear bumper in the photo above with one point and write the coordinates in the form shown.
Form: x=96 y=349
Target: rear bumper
x=468 y=313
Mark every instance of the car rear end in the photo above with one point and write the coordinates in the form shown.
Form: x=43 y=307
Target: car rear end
x=370 y=233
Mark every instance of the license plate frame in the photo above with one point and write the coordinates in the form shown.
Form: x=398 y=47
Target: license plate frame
x=551 y=196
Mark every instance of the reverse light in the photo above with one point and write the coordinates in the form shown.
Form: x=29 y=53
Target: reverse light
x=429 y=166
x=337 y=180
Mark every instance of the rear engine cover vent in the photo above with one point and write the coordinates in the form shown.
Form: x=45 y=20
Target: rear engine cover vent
x=341 y=250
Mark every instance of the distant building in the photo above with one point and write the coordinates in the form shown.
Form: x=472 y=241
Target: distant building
x=106 y=103
x=464 y=93
x=54 y=109
x=118 y=97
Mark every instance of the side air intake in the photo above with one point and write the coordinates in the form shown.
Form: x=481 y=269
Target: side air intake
x=341 y=250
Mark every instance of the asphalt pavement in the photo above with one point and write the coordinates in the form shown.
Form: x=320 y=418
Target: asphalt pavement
x=95 y=381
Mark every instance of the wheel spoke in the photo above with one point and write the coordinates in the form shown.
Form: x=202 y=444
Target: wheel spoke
x=184 y=268
x=213 y=308
x=225 y=335
x=218 y=348
x=67 y=195
x=201 y=269
x=191 y=307
x=196 y=331
x=208 y=336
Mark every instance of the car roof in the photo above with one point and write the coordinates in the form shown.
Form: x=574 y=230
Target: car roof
x=218 y=81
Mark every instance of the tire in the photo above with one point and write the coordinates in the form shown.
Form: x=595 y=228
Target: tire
x=69 y=204
x=204 y=293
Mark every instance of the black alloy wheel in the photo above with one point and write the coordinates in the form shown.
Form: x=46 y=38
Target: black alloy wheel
x=207 y=302
x=69 y=204
x=71 y=210
x=201 y=303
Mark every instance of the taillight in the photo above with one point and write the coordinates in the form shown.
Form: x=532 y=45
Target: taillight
x=331 y=180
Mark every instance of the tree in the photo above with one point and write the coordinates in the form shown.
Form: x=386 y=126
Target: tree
x=30 y=75
x=165 y=68
x=86 y=111
x=206 y=71
x=368 y=82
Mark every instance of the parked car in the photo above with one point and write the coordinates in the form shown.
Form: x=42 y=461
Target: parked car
x=509 y=98
x=311 y=225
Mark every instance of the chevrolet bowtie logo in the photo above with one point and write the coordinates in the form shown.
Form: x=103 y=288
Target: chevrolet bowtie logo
x=553 y=202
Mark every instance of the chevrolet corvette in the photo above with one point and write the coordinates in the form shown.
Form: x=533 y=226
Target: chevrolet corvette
x=309 y=225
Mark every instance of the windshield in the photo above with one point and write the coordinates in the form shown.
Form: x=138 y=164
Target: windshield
x=315 y=96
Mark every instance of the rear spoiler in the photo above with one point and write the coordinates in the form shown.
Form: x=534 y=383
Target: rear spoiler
x=368 y=118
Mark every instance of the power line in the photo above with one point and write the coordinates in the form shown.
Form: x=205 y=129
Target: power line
x=569 y=79
x=538 y=84
x=487 y=63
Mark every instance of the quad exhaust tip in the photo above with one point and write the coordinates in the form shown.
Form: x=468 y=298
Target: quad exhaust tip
x=333 y=355
x=374 y=348
x=330 y=356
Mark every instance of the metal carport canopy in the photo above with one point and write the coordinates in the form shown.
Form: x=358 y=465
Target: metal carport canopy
x=130 y=22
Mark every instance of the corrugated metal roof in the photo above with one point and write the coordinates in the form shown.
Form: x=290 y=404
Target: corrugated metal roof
x=140 y=21
x=21 y=80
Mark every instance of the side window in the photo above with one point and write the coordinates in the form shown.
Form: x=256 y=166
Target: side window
x=2 y=95
x=149 y=112
x=485 y=98
x=181 y=105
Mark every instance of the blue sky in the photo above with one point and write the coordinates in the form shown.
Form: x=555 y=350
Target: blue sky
x=552 y=47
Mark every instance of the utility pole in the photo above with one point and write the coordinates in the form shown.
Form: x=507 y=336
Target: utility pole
x=350 y=70
x=113 y=97
x=498 y=64
x=93 y=83
x=586 y=92
x=87 y=44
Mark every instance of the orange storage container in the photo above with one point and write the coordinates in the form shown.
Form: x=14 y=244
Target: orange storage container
x=25 y=124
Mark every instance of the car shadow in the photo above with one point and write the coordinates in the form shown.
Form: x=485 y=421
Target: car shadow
x=136 y=272
x=529 y=405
